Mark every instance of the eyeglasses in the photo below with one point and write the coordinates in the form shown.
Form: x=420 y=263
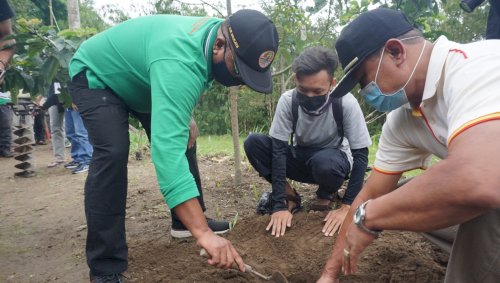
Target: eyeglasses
x=232 y=55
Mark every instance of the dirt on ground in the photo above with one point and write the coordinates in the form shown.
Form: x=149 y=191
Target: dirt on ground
x=42 y=231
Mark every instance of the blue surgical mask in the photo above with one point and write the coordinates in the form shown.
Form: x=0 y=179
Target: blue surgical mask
x=222 y=75
x=385 y=102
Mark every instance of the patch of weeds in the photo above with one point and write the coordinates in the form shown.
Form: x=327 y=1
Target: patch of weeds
x=233 y=222
x=255 y=192
x=218 y=213
x=139 y=144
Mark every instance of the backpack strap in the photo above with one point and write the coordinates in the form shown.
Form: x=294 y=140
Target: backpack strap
x=338 y=115
x=295 y=117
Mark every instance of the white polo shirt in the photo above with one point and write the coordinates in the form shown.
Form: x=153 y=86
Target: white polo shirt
x=462 y=89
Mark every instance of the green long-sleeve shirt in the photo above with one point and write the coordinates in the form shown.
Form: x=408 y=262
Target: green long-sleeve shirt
x=159 y=65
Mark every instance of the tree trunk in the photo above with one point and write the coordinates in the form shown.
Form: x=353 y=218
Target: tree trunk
x=233 y=101
x=51 y=14
x=73 y=14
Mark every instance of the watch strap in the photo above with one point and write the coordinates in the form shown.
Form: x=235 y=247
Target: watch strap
x=361 y=223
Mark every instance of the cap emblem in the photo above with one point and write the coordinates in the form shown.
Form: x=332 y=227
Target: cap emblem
x=266 y=58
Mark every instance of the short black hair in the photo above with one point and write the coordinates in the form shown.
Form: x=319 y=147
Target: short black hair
x=313 y=60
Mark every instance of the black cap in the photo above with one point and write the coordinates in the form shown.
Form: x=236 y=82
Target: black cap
x=363 y=36
x=255 y=41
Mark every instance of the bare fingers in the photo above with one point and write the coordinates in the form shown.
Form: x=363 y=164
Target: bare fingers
x=350 y=262
x=279 y=222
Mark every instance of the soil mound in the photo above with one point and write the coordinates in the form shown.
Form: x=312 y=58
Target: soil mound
x=43 y=231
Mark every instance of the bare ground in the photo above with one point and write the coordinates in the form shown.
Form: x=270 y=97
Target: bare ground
x=42 y=232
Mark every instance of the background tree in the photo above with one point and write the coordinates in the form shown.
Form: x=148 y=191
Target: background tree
x=39 y=9
x=233 y=102
x=73 y=14
x=43 y=52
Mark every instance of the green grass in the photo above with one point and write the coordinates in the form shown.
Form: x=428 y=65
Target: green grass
x=223 y=145
x=217 y=145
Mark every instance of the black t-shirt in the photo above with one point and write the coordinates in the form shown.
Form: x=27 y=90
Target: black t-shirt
x=5 y=11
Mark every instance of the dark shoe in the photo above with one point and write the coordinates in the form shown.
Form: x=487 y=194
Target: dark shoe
x=322 y=204
x=322 y=207
x=113 y=278
x=179 y=231
x=296 y=200
x=265 y=203
x=218 y=226
x=72 y=164
x=81 y=168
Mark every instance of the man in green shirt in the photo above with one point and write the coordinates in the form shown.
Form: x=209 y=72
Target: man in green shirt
x=156 y=68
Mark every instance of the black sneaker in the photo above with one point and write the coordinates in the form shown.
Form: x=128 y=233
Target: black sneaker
x=179 y=231
x=71 y=165
x=81 y=168
x=113 y=278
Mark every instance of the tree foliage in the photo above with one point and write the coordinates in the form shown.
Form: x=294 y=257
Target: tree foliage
x=43 y=53
x=42 y=56
x=39 y=9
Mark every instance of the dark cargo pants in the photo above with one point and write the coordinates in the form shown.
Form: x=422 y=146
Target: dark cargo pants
x=105 y=116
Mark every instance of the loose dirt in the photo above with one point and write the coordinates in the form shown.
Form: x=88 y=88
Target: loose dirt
x=42 y=232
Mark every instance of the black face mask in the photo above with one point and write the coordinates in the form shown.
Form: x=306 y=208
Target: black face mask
x=311 y=104
x=222 y=75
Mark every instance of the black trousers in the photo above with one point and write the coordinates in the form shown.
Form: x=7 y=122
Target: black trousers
x=39 y=127
x=326 y=167
x=5 y=128
x=145 y=119
x=105 y=117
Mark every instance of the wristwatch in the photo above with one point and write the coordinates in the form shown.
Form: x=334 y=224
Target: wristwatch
x=359 y=219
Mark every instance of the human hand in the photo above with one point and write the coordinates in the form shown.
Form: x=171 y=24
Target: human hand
x=193 y=133
x=334 y=220
x=356 y=242
x=279 y=221
x=222 y=253
x=333 y=266
x=326 y=279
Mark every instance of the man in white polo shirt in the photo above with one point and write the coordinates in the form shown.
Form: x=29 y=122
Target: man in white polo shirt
x=446 y=102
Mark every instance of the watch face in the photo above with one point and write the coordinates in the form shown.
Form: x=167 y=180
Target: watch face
x=357 y=216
